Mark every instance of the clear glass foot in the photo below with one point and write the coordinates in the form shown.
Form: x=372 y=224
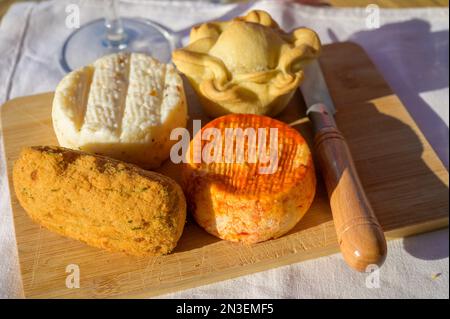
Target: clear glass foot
x=93 y=40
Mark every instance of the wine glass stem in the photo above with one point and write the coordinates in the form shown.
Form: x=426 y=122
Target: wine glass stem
x=115 y=34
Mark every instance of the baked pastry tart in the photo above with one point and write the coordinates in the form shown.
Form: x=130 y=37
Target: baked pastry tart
x=246 y=65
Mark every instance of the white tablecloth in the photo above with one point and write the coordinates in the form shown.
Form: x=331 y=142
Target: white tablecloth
x=411 y=50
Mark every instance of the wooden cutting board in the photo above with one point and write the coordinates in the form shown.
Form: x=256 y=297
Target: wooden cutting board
x=404 y=179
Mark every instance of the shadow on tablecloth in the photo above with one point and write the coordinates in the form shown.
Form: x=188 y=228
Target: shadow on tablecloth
x=424 y=246
x=414 y=60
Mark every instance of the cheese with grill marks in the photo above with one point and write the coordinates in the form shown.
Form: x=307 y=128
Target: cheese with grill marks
x=123 y=106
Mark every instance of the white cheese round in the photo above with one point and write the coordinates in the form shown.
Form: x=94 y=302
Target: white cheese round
x=123 y=106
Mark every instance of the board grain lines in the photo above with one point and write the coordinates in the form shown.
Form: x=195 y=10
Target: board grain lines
x=404 y=180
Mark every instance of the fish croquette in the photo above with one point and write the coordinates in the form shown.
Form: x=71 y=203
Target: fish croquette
x=100 y=201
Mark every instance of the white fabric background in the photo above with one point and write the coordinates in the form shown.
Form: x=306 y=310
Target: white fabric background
x=410 y=49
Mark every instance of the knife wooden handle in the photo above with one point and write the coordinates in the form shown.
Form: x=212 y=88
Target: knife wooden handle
x=360 y=236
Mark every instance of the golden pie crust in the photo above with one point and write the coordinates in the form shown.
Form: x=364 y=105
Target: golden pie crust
x=246 y=65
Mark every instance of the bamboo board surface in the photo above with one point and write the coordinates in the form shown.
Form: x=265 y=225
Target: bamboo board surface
x=403 y=177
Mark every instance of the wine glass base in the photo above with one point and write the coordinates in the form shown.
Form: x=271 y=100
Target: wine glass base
x=88 y=43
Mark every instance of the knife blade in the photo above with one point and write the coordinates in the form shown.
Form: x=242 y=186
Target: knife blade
x=360 y=236
x=314 y=87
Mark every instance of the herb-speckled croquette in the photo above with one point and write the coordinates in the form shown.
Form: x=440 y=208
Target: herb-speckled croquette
x=102 y=202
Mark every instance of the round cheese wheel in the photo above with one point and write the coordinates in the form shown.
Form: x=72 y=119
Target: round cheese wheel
x=124 y=105
x=248 y=178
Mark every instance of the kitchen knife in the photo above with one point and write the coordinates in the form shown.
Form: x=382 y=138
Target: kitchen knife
x=361 y=238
